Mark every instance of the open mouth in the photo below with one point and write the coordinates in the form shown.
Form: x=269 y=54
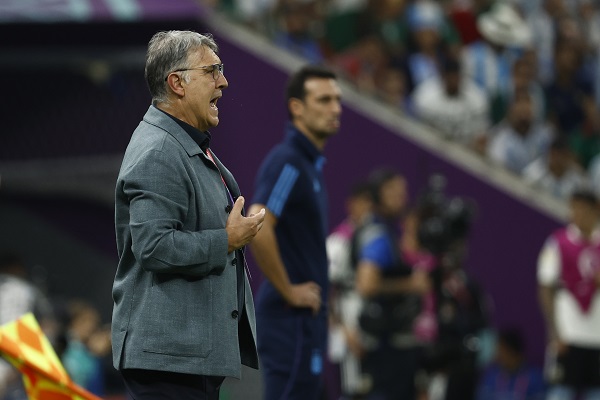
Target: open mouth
x=213 y=102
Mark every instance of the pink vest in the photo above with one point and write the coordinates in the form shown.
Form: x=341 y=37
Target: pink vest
x=580 y=261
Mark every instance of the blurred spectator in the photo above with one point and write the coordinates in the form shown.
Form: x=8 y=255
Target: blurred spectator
x=453 y=105
x=489 y=61
x=542 y=21
x=425 y=21
x=571 y=103
x=570 y=95
x=523 y=78
x=296 y=18
x=463 y=14
x=557 y=172
x=19 y=296
x=257 y=14
x=594 y=174
x=86 y=343
x=585 y=141
x=393 y=88
x=568 y=29
x=529 y=7
x=364 y=63
x=568 y=275
x=386 y=19
x=341 y=25
x=344 y=344
x=519 y=139
x=571 y=6
x=510 y=377
x=589 y=21
x=391 y=294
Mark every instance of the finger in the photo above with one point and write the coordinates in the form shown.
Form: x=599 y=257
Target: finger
x=254 y=214
x=313 y=306
x=238 y=206
x=254 y=209
x=316 y=307
x=259 y=216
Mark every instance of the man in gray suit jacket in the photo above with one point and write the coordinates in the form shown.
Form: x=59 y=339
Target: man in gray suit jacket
x=183 y=316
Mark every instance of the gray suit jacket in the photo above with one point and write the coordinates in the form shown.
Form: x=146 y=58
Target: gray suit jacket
x=175 y=300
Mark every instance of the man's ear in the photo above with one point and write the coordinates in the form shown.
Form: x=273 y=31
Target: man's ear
x=175 y=83
x=295 y=106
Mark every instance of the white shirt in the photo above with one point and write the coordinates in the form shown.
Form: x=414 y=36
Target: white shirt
x=542 y=29
x=459 y=118
x=514 y=151
x=537 y=174
x=489 y=70
x=573 y=325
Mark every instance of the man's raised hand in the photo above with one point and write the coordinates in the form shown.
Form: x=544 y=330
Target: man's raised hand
x=241 y=230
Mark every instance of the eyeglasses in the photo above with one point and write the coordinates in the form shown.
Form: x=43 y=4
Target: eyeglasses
x=215 y=69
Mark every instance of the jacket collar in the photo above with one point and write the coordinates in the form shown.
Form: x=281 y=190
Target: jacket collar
x=161 y=120
x=156 y=117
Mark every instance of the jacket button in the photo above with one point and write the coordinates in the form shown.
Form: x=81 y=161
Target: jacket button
x=235 y=314
x=234 y=261
x=228 y=208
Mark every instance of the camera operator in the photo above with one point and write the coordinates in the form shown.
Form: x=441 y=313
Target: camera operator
x=452 y=362
x=391 y=293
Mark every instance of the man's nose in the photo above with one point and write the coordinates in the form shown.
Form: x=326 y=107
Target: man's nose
x=337 y=108
x=222 y=82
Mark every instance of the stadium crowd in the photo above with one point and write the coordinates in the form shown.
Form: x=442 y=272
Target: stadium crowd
x=515 y=80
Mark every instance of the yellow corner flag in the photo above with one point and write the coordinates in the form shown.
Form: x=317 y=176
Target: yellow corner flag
x=24 y=345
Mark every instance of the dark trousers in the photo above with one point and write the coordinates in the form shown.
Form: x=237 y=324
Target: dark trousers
x=159 y=385
x=462 y=380
x=580 y=368
x=392 y=371
x=291 y=352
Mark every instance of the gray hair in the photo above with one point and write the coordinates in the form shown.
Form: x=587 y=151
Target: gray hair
x=169 y=51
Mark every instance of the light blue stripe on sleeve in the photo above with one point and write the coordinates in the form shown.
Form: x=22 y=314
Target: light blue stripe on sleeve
x=282 y=189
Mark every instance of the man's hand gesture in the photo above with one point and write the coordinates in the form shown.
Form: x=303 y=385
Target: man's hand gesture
x=241 y=230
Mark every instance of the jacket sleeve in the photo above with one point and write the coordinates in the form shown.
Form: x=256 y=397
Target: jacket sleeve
x=158 y=189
